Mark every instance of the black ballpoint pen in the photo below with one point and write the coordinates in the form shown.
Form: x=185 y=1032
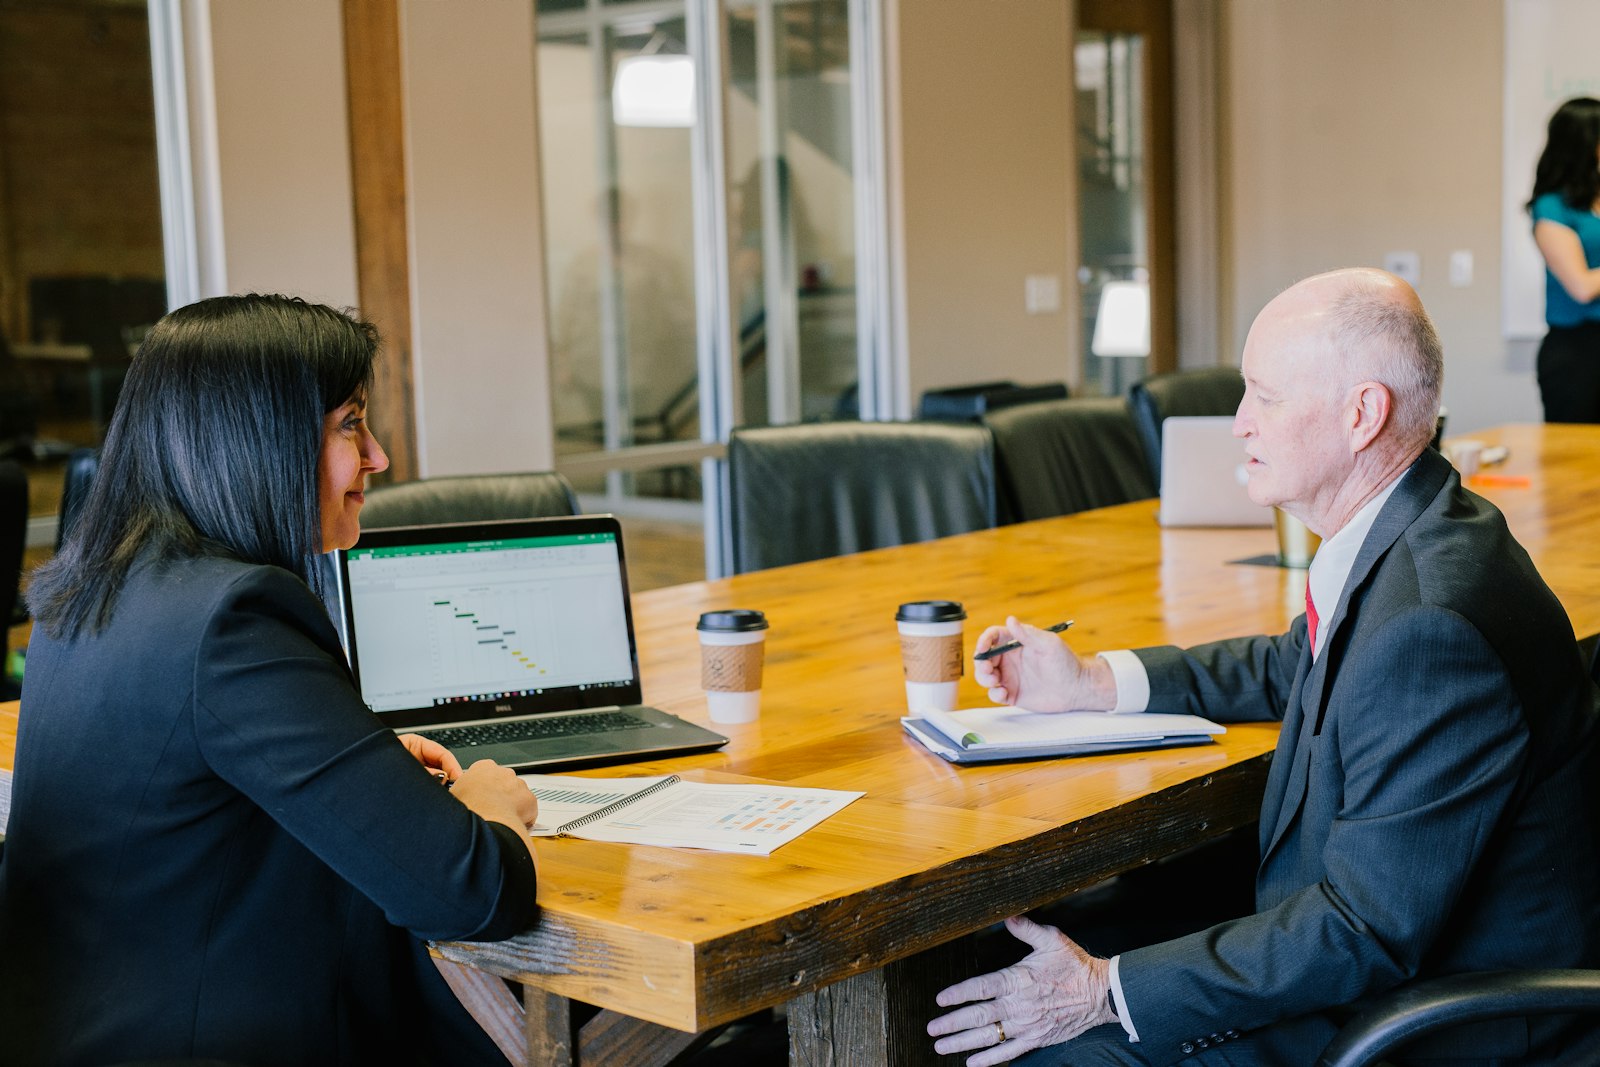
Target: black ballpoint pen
x=1012 y=646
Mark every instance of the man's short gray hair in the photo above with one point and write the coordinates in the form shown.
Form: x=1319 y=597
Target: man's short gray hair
x=1392 y=342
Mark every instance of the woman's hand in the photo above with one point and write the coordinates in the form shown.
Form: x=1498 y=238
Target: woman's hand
x=1044 y=674
x=440 y=761
x=496 y=793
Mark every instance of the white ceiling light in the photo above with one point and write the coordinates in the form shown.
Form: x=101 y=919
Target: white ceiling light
x=653 y=90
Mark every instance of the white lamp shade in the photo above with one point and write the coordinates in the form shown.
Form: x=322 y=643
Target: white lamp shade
x=1122 y=325
x=653 y=90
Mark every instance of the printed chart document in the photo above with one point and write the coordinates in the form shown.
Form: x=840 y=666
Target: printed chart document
x=753 y=819
x=984 y=735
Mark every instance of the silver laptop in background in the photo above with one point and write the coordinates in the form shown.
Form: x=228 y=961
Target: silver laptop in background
x=511 y=641
x=1202 y=474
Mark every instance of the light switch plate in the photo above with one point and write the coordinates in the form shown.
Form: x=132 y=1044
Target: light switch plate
x=1042 y=293
x=1461 y=268
x=1407 y=265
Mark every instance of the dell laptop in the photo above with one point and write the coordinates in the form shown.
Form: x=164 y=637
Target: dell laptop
x=511 y=641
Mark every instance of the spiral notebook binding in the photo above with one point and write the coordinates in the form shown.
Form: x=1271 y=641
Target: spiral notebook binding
x=616 y=806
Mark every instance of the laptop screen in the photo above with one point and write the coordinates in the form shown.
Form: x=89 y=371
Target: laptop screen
x=457 y=623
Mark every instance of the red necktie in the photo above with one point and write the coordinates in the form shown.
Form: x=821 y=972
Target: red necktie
x=1311 y=618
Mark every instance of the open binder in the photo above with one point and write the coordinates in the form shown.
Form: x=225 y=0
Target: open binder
x=987 y=735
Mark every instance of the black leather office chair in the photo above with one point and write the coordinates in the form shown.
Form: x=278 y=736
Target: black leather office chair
x=19 y=410
x=13 y=537
x=1061 y=456
x=1440 y=1003
x=1428 y=1007
x=76 y=479
x=826 y=489
x=469 y=498
x=970 y=403
x=1209 y=391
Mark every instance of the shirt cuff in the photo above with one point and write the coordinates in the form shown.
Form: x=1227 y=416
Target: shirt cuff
x=1116 y=999
x=1133 y=681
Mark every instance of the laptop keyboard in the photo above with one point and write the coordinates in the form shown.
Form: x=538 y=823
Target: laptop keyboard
x=500 y=733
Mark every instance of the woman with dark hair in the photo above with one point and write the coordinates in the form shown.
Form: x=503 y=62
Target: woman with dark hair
x=1566 y=197
x=215 y=850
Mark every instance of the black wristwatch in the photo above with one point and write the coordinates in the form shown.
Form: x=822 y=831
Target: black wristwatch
x=1111 y=1004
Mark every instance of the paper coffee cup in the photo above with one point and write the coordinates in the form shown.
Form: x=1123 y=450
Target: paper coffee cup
x=732 y=646
x=1296 y=543
x=931 y=652
x=1467 y=455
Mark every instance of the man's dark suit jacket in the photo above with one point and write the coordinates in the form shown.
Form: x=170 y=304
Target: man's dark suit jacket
x=1427 y=810
x=216 y=850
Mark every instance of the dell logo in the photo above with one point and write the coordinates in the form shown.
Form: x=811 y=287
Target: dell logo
x=502 y=707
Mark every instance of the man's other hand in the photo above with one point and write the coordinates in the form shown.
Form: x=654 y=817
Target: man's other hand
x=1054 y=994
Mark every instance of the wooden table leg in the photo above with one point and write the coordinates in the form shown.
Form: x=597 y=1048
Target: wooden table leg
x=609 y=1038
x=492 y=1005
x=879 y=1017
x=551 y=1028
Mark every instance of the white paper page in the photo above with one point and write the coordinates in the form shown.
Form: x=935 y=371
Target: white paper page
x=563 y=798
x=981 y=727
x=753 y=819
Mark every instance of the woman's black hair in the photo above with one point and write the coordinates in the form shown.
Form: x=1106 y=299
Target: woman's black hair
x=1570 y=163
x=213 y=449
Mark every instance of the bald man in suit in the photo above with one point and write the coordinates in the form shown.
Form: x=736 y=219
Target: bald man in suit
x=1427 y=811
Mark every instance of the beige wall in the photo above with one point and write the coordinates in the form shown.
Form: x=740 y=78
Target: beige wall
x=1363 y=127
x=478 y=307
x=477 y=284
x=987 y=190
x=1348 y=130
x=282 y=135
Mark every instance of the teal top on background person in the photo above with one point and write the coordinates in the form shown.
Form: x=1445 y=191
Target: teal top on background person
x=1559 y=307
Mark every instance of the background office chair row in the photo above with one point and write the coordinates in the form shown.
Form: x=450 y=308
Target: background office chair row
x=814 y=490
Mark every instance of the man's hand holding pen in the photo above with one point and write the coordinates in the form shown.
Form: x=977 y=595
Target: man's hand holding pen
x=1042 y=673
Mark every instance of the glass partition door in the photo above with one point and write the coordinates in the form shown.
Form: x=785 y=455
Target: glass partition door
x=702 y=224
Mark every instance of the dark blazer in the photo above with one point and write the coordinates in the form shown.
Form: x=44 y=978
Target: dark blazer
x=215 y=849
x=1426 y=812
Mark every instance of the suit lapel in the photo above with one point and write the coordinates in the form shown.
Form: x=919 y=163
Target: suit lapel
x=1308 y=701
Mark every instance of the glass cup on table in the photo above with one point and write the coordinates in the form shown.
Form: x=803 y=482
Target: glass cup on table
x=1296 y=543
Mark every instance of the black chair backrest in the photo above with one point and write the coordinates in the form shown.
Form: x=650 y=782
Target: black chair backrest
x=81 y=467
x=1062 y=456
x=13 y=537
x=970 y=403
x=826 y=489
x=469 y=498
x=1209 y=391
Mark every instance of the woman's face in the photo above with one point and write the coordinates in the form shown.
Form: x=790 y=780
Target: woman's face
x=349 y=454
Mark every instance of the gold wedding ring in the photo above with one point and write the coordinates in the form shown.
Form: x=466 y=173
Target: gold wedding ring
x=1000 y=1029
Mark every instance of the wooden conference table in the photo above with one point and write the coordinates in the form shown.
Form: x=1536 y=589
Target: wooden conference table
x=855 y=925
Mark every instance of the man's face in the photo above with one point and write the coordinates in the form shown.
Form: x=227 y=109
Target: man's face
x=1291 y=417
